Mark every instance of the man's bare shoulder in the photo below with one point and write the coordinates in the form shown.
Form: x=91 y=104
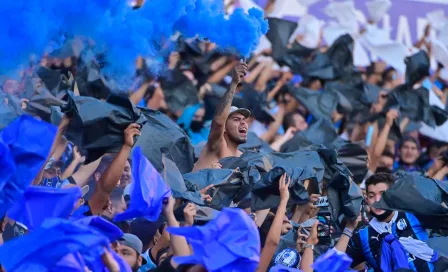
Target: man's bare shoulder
x=207 y=158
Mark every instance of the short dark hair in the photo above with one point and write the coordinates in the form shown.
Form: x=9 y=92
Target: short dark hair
x=387 y=74
x=388 y=153
x=377 y=178
x=410 y=139
x=383 y=170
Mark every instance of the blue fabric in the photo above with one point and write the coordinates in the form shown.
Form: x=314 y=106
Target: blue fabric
x=111 y=231
x=393 y=255
x=230 y=242
x=79 y=213
x=43 y=248
x=70 y=263
x=427 y=84
x=332 y=261
x=282 y=268
x=148 y=190
x=420 y=232
x=364 y=237
x=338 y=124
x=185 y=120
x=26 y=143
x=40 y=203
x=309 y=119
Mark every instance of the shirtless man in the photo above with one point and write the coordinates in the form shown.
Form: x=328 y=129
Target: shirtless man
x=229 y=126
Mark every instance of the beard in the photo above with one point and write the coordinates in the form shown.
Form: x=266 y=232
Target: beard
x=135 y=267
x=237 y=140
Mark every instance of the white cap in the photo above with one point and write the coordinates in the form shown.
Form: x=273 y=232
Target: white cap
x=377 y=9
x=437 y=19
x=244 y=112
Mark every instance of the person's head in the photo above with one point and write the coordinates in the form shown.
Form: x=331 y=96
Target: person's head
x=313 y=83
x=126 y=176
x=117 y=204
x=10 y=86
x=391 y=78
x=387 y=160
x=155 y=98
x=130 y=250
x=290 y=102
x=296 y=120
x=409 y=151
x=372 y=75
x=381 y=101
x=376 y=185
x=197 y=122
x=236 y=126
x=53 y=169
x=146 y=231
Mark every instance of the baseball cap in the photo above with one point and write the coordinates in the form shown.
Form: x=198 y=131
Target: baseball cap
x=243 y=111
x=132 y=241
x=144 y=230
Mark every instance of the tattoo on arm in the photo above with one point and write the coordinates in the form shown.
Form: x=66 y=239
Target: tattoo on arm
x=226 y=101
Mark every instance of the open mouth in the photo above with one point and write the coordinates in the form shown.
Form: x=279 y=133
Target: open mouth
x=242 y=130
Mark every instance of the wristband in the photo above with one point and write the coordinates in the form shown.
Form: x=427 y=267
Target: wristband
x=348 y=235
x=348 y=230
x=308 y=246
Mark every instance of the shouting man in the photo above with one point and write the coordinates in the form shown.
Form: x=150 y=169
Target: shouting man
x=229 y=126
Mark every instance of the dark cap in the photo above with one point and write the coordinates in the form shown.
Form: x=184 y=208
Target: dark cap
x=144 y=230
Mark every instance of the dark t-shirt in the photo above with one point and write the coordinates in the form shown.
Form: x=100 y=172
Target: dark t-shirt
x=402 y=228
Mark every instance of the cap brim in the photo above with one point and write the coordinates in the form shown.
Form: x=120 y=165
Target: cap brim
x=245 y=112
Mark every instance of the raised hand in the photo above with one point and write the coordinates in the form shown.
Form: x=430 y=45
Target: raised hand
x=239 y=72
x=130 y=132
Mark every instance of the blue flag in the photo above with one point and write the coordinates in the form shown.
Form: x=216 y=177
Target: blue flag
x=73 y=262
x=103 y=226
x=148 y=190
x=40 y=203
x=26 y=143
x=230 y=242
x=43 y=248
x=332 y=261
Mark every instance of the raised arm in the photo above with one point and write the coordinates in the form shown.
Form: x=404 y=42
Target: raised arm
x=223 y=108
x=380 y=144
x=273 y=238
x=111 y=176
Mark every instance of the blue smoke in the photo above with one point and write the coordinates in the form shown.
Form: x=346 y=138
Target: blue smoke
x=28 y=27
